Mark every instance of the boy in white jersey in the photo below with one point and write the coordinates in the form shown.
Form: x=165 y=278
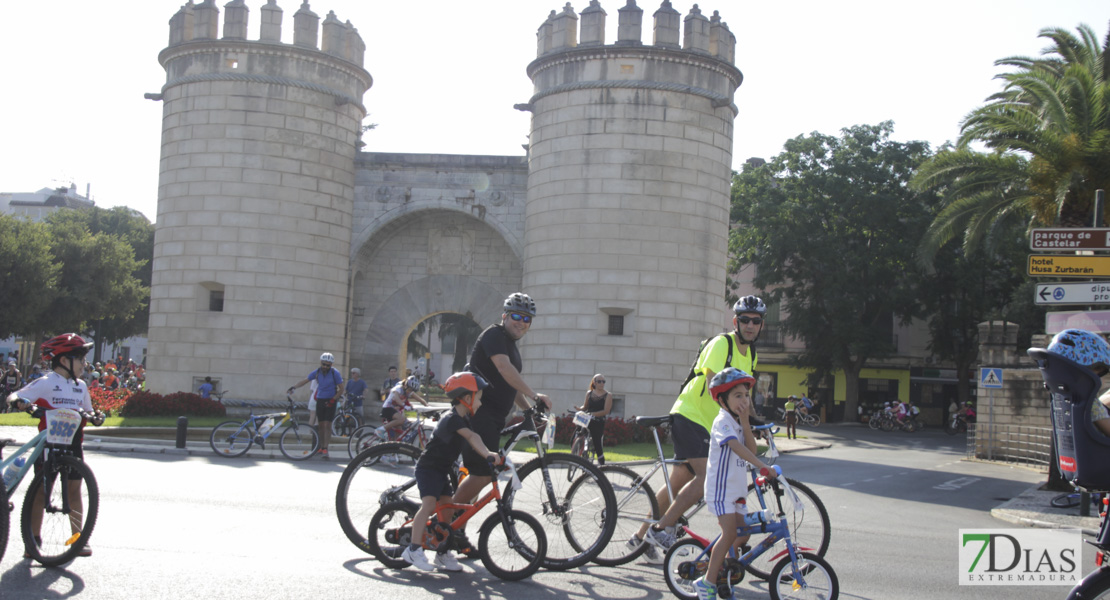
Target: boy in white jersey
x=731 y=447
x=60 y=388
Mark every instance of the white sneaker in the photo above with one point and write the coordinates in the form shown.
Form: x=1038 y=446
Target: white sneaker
x=661 y=539
x=417 y=559
x=447 y=562
x=651 y=555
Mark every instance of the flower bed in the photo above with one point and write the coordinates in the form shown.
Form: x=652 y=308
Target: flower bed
x=149 y=404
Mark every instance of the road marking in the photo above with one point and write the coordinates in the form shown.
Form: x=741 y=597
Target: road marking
x=955 y=484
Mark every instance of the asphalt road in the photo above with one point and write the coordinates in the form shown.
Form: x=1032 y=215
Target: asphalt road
x=205 y=527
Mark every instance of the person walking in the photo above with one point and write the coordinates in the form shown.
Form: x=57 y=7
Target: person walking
x=496 y=359
x=692 y=418
x=329 y=386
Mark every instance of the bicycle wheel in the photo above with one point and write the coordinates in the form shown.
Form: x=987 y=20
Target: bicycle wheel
x=70 y=505
x=887 y=424
x=362 y=489
x=362 y=439
x=951 y=428
x=299 y=442
x=815 y=420
x=1068 y=500
x=577 y=448
x=809 y=525
x=682 y=567
x=231 y=438
x=344 y=425
x=512 y=550
x=818 y=580
x=590 y=519
x=5 y=523
x=874 y=422
x=635 y=503
x=390 y=532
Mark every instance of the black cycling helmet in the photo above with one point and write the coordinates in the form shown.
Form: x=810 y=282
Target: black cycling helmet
x=520 y=303
x=750 y=304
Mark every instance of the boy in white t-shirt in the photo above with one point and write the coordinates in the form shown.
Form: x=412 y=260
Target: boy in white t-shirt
x=731 y=448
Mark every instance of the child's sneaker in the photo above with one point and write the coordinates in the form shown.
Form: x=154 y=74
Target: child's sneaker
x=447 y=562
x=417 y=559
x=705 y=591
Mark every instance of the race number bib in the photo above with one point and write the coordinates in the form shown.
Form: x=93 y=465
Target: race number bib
x=61 y=426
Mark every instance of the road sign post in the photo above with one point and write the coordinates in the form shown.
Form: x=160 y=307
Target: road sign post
x=990 y=378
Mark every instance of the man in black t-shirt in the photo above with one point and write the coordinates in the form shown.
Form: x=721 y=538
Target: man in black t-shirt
x=495 y=357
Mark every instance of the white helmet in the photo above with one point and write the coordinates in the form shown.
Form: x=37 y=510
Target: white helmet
x=327 y=357
x=412 y=384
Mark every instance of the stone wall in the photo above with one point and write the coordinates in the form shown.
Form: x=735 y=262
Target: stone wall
x=1020 y=410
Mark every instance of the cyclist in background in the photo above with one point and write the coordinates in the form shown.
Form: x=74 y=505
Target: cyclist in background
x=356 y=390
x=393 y=411
x=597 y=404
x=62 y=387
x=329 y=387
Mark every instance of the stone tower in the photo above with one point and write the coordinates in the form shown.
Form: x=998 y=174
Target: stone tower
x=626 y=221
x=255 y=196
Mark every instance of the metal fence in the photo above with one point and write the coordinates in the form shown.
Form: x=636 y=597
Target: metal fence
x=1018 y=444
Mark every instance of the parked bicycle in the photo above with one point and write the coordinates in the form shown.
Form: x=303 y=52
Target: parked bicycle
x=956 y=423
x=511 y=543
x=579 y=515
x=416 y=432
x=810 y=419
x=296 y=442
x=798 y=574
x=346 y=420
x=1072 y=499
x=636 y=505
x=64 y=488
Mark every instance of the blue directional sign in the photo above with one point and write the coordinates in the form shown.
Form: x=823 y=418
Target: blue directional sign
x=990 y=378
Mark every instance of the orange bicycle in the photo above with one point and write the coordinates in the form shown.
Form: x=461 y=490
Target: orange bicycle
x=511 y=543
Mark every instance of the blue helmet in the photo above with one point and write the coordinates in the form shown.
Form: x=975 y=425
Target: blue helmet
x=1082 y=347
x=727 y=379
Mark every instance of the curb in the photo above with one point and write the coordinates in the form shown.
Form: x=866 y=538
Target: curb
x=1007 y=511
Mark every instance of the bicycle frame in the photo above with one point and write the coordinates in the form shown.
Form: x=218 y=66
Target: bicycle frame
x=38 y=447
x=659 y=464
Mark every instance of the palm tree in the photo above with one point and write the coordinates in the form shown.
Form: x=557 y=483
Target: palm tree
x=1048 y=139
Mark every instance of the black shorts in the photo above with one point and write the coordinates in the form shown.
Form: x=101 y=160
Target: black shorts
x=431 y=482
x=325 y=409
x=490 y=431
x=75 y=450
x=690 y=439
x=387 y=414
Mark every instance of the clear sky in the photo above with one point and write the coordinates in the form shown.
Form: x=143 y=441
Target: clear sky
x=447 y=73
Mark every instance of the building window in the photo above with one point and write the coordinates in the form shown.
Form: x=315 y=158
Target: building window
x=616 y=321
x=616 y=324
x=210 y=296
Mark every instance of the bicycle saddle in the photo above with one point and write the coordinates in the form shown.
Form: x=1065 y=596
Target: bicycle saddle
x=653 y=421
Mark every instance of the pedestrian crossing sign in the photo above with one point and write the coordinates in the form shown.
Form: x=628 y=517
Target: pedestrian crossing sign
x=990 y=378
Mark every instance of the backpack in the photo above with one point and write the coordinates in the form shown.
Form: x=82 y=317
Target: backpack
x=697 y=357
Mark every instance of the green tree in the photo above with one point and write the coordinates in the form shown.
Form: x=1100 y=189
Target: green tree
x=830 y=226
x=961 y=292
x=96 y=279
x=465 y=332
x=30 y=275
x=138 y=233
x=1048 y=139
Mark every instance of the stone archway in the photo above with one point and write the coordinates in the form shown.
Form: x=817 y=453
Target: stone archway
x=383 y=343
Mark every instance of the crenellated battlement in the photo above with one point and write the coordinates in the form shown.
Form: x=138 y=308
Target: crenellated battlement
x=196 y=22
x=709 y=36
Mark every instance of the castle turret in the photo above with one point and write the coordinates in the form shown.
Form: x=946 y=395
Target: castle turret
x=255 y=197
x=626 y=230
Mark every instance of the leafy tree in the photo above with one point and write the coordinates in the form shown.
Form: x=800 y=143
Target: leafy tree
x=1048 y=139
x=30 y=275
x=831 y=226
x=465 y=331
x=961 y=291
x=96 y=279
x=138 y=233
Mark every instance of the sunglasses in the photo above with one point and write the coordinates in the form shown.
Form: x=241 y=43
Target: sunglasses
x=599 y=381
x=746 y=320
x=520 y=317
